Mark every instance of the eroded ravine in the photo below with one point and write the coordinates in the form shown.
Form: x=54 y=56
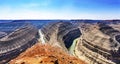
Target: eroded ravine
x=96 y=43
x=61 y=34
x=93 y=43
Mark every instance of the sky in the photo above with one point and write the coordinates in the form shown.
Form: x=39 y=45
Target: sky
x=59 y=9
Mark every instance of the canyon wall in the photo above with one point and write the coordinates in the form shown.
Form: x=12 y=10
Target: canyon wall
x=61 y=34
x=98 y=44
x=94 y=43
x=17 y=41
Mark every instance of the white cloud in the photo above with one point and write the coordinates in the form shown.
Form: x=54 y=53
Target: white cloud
x=10 y=13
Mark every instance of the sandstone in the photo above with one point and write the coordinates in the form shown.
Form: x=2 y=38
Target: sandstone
x=45 y=54
x=98 y=44
x=60 y=34
x=17 y=41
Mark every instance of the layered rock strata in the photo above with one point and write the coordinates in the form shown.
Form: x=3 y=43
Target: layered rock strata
x=61 y=34
x=94 y=43
x=98 y=44
x=17 y=41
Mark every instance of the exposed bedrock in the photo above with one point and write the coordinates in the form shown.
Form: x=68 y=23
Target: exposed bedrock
x=115 y=26
x=70 y=37
x=2 y=34
x=61 y=34
x=45 y=54
x=17 y=41
x=93 y=43
x=98 y=44
x=117 y=38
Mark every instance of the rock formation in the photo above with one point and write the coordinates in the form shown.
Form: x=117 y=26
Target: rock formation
x=61 y=34
x=45 y=54
x=98 y=44
x=115 y=26
x=92 y=42
x=18 y=40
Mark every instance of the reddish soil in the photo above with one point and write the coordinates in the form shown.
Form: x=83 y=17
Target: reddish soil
x=45 y=54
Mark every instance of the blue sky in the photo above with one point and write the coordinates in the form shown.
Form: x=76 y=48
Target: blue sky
x=59 y=9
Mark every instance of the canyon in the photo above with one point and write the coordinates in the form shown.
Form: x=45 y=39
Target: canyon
x=85 y=41
x=94 y=43
x=17 y=41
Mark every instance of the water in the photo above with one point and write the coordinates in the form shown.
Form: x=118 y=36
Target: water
x=41 y=37
x=8 y=26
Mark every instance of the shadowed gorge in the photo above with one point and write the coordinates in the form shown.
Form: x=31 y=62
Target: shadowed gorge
x=99 y=44
x=65 y=32
x=96 y=42
x=70 y=37
x=91 y=42
x=117 y=38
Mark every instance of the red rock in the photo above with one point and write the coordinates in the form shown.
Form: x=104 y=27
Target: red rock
x=45 y=54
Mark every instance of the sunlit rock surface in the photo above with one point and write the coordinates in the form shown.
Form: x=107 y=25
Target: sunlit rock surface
x=98 y=44
x=115 y=26
x=94 y=42
x=15 y=38
x=61 y=34
x=45 y=54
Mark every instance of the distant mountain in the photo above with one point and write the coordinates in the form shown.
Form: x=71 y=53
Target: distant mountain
x=4 y=21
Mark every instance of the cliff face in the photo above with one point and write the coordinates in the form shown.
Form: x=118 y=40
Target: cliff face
x=45 y=54
x=61 y=34
x=94 y=43
x=17 y=41
x=99 y=43
x=115 y=26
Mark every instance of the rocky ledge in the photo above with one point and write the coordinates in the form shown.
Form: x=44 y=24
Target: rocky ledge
x=94 y=43
x=60 y=34
x=45 y=54
x=98 y=44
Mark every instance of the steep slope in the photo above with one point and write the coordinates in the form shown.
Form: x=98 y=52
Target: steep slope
x=17 y=41
x=45 y=54
x=99 y=43
x=60 y=34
